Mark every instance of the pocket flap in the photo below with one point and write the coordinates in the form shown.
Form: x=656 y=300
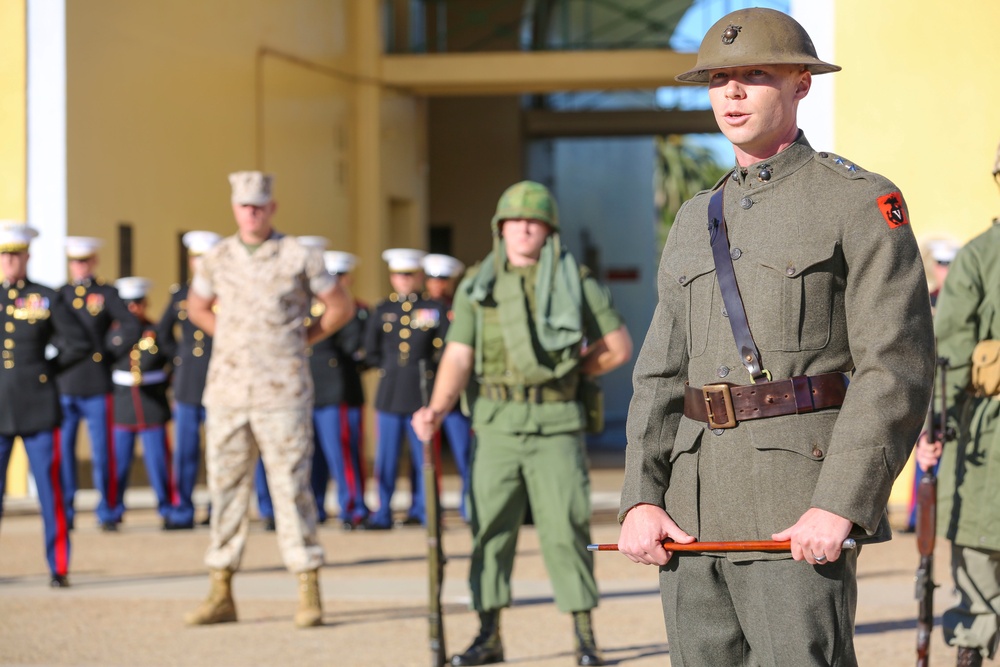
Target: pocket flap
x=794 y=260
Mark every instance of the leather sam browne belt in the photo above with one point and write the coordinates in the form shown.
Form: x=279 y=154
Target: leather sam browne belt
x=724 y=405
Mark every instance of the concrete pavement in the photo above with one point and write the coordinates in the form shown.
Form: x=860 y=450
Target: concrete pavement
x=130 y=590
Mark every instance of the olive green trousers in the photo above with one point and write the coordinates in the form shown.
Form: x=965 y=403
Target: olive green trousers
x=773 y=613
x=551 y=472
x=973 y=622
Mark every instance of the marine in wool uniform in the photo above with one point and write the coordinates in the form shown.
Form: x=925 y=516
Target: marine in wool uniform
x=141 y=405
x=85 y=388
x=36 y=321
x=772 y=440
x=190 y=353
x=402 y=330
x=968 y=511
x=441 y=276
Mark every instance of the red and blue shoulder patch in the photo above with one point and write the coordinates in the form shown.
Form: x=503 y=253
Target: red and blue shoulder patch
x=891 y=206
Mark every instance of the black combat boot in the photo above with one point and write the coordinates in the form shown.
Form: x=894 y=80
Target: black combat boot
x=969 y=657
x=587 y=654
x=487 y=648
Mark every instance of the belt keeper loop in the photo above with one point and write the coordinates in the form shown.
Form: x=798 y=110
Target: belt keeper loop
x=802 y=388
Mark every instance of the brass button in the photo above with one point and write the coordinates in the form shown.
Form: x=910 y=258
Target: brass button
x=197 y=352
x=135 y=354
x=78 y=303
x=12 y=293
x=437 y=342
x=404 y=333
x=8 y=364
x=406 y=306
x=8 y=344
x=80 y=290
x=43 y=378
x=199 y=334
x=387 y=327
x=97 y=357
x=404 y=347
x=9 y=327
x=404 y=320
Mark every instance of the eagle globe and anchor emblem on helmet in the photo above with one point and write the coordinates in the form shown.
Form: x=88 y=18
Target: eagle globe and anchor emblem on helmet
x=731 y=33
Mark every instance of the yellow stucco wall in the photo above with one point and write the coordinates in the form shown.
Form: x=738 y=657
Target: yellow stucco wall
x=13 y=79
x=13 y=163
x=917 y=101
x=165 y=99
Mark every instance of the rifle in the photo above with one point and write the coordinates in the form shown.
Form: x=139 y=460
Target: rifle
x=435 y=550
x=927 y=524
x=723 y=547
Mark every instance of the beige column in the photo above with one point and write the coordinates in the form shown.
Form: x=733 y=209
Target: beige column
x=370 y=209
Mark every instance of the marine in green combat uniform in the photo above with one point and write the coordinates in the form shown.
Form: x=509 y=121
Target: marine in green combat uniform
x=968 y=509
x=833 y=289
x=529 y=322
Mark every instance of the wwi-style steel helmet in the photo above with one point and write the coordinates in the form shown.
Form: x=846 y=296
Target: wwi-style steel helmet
x=527 y=200
x=755 y=36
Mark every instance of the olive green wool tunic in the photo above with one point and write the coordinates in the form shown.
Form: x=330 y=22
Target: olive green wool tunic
x=831 y=279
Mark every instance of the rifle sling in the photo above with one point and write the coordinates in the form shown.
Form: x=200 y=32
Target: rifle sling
x=726 y=275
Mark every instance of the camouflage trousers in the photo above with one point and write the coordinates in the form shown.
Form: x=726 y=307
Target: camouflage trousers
x=284 y=439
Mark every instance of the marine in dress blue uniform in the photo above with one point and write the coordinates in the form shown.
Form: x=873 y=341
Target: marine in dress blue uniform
x=36 y=323
x=85 y=388
x=402 y=330
x=141 y=405
x=442 y=273
x=190 y=353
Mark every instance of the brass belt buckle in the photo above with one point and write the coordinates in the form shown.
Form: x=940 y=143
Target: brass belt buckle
x=727 y=399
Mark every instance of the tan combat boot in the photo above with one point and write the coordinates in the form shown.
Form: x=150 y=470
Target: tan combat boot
x=219 y=607
x=310 y=611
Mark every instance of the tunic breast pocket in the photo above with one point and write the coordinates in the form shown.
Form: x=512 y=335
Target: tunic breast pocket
x=794 y=296
x=702 y=296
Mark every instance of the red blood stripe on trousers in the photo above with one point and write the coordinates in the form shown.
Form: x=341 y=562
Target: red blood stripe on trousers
x=111 y=481
x=62 y=532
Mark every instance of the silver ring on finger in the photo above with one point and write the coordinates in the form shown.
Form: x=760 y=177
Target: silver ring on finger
x=819 y=559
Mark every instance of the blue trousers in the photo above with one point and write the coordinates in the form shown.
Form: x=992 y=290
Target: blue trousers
x=391 y=427
x=188 y=419
x=98 y=412
x=43 y=458
x=458 y=430
x=156 y=454
x=339 y=437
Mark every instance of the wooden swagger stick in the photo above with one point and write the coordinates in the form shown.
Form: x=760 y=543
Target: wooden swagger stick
x=723 y=547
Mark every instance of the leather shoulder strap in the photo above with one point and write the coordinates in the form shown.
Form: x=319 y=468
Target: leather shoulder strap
x=719 y=238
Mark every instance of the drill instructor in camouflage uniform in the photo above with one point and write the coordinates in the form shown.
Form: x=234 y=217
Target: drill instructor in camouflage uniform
x=832 y=284
x=968 y=510
x=259 y=392
x=528 y=322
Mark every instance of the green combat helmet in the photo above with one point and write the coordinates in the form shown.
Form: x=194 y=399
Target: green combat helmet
x=526 y=200
x=755 y=36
